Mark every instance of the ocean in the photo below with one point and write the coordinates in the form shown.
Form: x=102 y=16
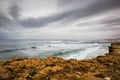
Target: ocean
x=67 y=49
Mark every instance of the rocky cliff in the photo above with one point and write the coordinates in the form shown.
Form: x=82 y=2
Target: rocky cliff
x=53 y=68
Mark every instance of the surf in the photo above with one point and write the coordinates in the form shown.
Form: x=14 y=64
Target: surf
x=83 y=54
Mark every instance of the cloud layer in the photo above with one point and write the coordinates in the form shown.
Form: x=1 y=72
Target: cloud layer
x=60 y=19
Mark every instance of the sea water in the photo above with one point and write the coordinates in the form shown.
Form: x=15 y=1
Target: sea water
x=67 y=49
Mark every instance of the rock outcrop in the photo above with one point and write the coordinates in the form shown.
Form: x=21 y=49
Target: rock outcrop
x=55 y=68
x=114 y=48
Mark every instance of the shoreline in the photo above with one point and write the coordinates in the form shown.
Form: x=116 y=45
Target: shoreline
x=54 y=68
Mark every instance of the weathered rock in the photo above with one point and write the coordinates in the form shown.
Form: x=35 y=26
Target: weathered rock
x=55 y=68
x=107 y=78
x=114 y=48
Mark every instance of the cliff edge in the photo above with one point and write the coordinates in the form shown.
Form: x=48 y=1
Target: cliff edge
x=54 y=68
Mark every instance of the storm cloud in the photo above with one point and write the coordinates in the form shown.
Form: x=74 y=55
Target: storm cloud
x=4 y=20
x=14 y=11
x=94 y=8
x=112 y=22
x=69 y=16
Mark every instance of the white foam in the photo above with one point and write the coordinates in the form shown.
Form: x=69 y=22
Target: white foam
x=83 y=54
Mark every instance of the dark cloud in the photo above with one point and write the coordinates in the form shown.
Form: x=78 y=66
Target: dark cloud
x=39 y=22
x=69 y=15
x=96 y=7
x=111 y=22
x=14 y=11
x=102 y=5
x=73 y=3
x=4 y=20
x=64 y=3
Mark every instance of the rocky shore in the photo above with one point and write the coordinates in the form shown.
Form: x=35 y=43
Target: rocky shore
x=54 y=68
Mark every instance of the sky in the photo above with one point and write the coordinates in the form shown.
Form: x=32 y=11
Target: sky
x=59 y=19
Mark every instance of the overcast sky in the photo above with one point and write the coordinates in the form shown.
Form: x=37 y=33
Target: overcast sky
x=59 y=19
